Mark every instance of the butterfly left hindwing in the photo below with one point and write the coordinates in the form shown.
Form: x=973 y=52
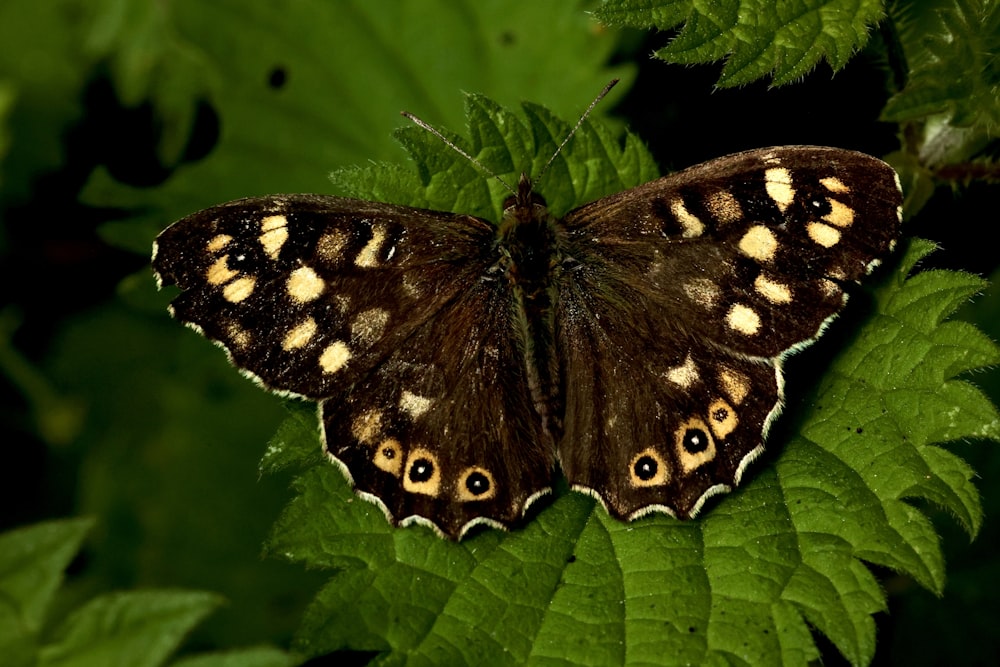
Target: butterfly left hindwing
x=638 y=341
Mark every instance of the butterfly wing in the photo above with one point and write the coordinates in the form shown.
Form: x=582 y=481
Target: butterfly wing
x=393 y=319
x=684 y=296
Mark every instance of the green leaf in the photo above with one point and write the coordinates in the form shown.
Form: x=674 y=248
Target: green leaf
x=940 y=39
x=260 y=656
x=32 y=561
x=749 y=580
x=45 y=59
x=139 y=629
x=755 y=37
x=291 y=85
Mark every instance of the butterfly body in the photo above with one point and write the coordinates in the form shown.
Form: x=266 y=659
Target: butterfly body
x=636 y=342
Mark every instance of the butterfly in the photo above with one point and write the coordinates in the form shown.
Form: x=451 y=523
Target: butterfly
x=636 y=343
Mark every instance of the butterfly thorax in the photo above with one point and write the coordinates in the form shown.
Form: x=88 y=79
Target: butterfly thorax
x=530 y=256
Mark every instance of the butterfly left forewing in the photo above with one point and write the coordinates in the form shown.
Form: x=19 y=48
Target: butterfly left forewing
x=697 y=285
x=306 y=292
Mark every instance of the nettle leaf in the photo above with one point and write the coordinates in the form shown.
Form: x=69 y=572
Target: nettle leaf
x=750 y=579
x=941 y=39
x=755 y=38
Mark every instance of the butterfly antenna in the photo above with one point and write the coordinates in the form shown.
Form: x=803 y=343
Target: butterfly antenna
x=600 y=96
x=451 y=144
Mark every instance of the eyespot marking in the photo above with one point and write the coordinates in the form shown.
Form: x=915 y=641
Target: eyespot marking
x=389 y=456
x=759 y=243
x=304 y=285
x=722 y=419
x=648 y=468
x=692 y=226
x=476 y=483
x=335 y=357
x=694 y=444
x=743 y=319
x=423 y=474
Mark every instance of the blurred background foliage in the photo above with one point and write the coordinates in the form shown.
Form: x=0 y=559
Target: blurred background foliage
x=119 y=116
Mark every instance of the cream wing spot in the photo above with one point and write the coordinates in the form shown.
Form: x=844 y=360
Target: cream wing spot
x=218 y=242
x=274 y=233
x=778 y=183
x=367 y=427
x=368 y=256
x=476 y=483
x=684 y=375
x=834 y=184
x=220 y=272
x=238 y=336
x=759 y=243
x=691 y=225
x=703 y=291
x=335 y=357
x=304 y=285
x=423 y=474
x=414 y=404
x=239 y=289
x=330 y=247
x=773 y=291
x=736 y=385
x=300 y=335
x=823 y=235
x=724 y=206
x=369 y=325
x=840 y=214
x=743 y=319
